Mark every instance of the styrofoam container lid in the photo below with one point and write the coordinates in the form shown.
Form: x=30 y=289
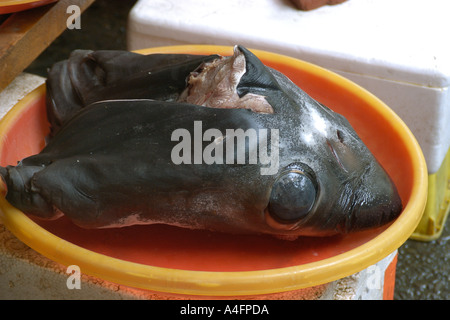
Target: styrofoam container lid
x=402 y=40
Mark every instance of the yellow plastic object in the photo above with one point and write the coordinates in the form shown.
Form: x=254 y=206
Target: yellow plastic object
x=405 y=163
x=438 y=204
x=9 y=6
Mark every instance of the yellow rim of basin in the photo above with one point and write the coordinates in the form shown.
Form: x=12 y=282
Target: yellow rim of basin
x=229 y=283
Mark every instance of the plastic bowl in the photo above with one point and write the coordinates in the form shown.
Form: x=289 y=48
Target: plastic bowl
x=198 y=263
x=9 y=6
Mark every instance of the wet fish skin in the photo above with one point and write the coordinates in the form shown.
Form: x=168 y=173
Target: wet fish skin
x=89 y=76
x=111 y=165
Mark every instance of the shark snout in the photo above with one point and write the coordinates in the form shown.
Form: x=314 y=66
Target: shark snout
x=368 y=197
x=375 y=201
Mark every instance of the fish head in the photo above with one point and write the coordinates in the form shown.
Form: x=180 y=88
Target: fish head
x=328 y=182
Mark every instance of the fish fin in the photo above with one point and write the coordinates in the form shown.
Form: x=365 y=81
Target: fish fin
x=257 y=78
x=22 y=194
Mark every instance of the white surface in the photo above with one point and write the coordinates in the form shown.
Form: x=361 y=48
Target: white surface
x=396 y=49
x=17 y=89
x=367 y=284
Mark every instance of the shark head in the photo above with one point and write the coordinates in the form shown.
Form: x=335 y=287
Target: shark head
x=328 y=181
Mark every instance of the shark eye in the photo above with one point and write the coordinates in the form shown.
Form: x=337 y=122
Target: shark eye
x=293 y=196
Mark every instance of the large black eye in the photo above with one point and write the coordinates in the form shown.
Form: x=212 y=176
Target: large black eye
x=293 y=196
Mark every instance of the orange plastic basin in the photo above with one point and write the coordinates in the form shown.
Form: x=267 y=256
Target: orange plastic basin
x=9 y=6
x=173 y=260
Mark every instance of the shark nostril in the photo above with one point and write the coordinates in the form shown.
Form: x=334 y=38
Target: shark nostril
x=340 y=136
x=335 y=155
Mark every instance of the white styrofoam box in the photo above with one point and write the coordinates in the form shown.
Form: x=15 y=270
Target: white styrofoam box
x=398 y=50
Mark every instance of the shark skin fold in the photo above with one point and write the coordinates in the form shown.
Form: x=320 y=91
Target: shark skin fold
x=111 y=162
x=90 y=76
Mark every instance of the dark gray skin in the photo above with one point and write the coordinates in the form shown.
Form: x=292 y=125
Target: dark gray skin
x=91 y=76
x=110 y=165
